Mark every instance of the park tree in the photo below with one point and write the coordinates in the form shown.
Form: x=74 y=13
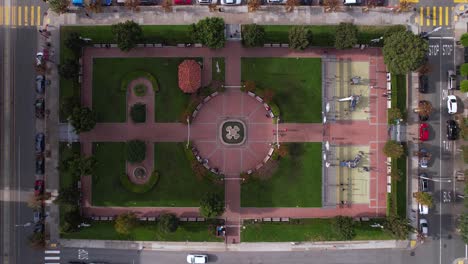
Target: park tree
x=464 y=69
x=132 y=5
x=299 y=37
x=75 y=43
x=403 y=6
x=394 y=113
x=291 y=4
x=253 y=5
x=168 y=223
x=69 y=69
x=393 y=149
x=35 y=202
x=464 y=86
x=166 y=5
x=68 y=104
x=125 y=223
x=136 y=151
x=464 y=39
x=37 y=240
x=463 y=227
x=59 y=6
x=424 y=69
x=398 y=227
x=71 y=220
x=344 y=227
x=68 y=197
x=423 y=198
x=83 y=119
x=253 y=35
x=212 y=205
x=404 y=52
x=127 y=34
x=80 y=166
x=209 y=32
x=346 y=36
x=424 y=108
x=332 y=5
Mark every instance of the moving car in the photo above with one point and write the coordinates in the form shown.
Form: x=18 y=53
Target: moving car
x=423 y=182
x=38 y=187
x=39 y=108
x=423 y=84
x=40 y=84
x=424 y=132
x=451 y=81
x=197 y=258
x=40 y=165
x=423 y=227
x=231 y=2
x=452 y=104
x=423 y=209
x=452 y=130
x=40 y=143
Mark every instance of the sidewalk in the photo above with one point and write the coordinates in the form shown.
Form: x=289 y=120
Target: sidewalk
x=244 y=247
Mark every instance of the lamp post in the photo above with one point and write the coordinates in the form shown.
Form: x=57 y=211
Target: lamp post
x=188 y=131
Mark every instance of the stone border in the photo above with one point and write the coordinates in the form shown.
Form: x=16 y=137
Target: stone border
x=221 y=132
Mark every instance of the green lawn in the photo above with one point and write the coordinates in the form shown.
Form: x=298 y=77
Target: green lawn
x=297 y=84
x=215 y=75
x=297 y=182
x=109 y=101
x=194 y=232
x=307 y=230
x=401 y=187
x=177 y=185
x=324 y=35
x=66 y=179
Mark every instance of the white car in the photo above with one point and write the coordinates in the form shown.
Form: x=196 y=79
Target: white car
x=423 y=227
x=451 y=81
x=39 y=57
x=231 y=2
x=197 y=258
x=452 y=104
x=423 y=209
x=207 y=2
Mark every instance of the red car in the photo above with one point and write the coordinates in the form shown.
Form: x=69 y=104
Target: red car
x=38 y=187
x=424 y=132
x=183 y=2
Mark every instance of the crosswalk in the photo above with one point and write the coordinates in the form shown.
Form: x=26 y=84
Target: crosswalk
x=52 y=256
x=21 y=16
x=434 y=16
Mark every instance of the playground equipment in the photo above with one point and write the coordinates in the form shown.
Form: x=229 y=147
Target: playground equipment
x=352 y=163
x=353 y=100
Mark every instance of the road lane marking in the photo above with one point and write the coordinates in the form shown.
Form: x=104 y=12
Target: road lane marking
x=19 y=16
x=421 y=16
x=1 y=15
x=32 y=15
x=440 y=16
x=13 y=15
x=38 y=15
x=26 y=17
x=434 y=18
x=446 y=16
x=428 y=13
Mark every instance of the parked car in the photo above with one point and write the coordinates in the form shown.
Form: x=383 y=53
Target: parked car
x=423 y=182
x=39 y=108
x=40 y=165
x=183 y=2
x=38 y=187
x=452 y=104
x=423 y=84
x=278 y=2
x=424 y=132
x=423 y=227
x=207 y=2
x=148 y=2
x=451 y=81
x=37 y=216
x=452 y=130
x=231 y=2
x=424 y=157
x=423 y=209
x=103 y=2
x=40 y=84
x=197 y=258
x=40 y=142
x=39 y=228
x=39 y=58
x=352 y=2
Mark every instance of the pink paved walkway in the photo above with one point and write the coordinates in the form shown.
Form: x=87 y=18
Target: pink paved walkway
x=261 y=131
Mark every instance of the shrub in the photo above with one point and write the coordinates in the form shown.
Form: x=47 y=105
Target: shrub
x=464 y=39
x=344 y=227
x=393 y=149
x=249 y=86
x=253 y=35
x=299 y=37
x=136 y=151
x=138 y=113
x=212 y=205
x=464 y=86
x=69 y=69
x=135 y=75
x=139 y=188
x=83 y=119
x=127 y=34
x=274 y=109
x=140 y=90
x=346 y=36
x=209 y=32
x=125 y=223
x=168 y=223
x=394 y=114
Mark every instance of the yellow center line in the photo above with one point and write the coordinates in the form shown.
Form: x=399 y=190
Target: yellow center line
x=440 y=16
x=446 y=16
x=19 y=16
x=26 y=22
x=1 y=15
x=428 y=13
x=32 y=15
x=13 y=15
x=7 y=15
x=38 y=15
x=421 y=16
x=434 y=19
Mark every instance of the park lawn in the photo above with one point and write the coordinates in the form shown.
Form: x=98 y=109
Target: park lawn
x=401 y=187
x=297 y=182
x=296 y=83
x=66 y=178
x=215 y=75
x=177 y=185
x=312 y=229
x=109 y=101
x=187 y=231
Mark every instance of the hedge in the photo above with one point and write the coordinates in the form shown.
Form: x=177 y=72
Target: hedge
x=136 y=151
x=139 y=188
x=138 y=113
x=138 y=74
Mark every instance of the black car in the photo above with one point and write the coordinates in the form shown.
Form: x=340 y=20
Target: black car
x=40 y=84
x=423 y=84
x=39 y=228
x=39 y=107
x=40 y=142
x=40 y=165
x=452 y=130
x=423 y=182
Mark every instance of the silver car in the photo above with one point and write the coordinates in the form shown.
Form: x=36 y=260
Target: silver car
x=231 y=2
x=207 y=2
x=451 y=81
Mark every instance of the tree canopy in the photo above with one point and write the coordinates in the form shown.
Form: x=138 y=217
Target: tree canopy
x=253 y=35
x=398 y=227
x=209 y=32
x=83 y=119
x=423 y=198
x=464 y=86
x=168 y=223
x=393 y=149
x=212 y=205
x=69 y=69
x=59 y=6
x=125 y=223
x=344 y=227
x=127 y=34
x=404 y=52
x=464 y=39
x=299 y=37
x=346 y=36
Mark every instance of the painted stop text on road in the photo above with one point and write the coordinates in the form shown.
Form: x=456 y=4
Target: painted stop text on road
x=445 y=49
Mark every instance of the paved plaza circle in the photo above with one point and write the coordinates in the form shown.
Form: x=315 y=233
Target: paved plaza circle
x=237 y=132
